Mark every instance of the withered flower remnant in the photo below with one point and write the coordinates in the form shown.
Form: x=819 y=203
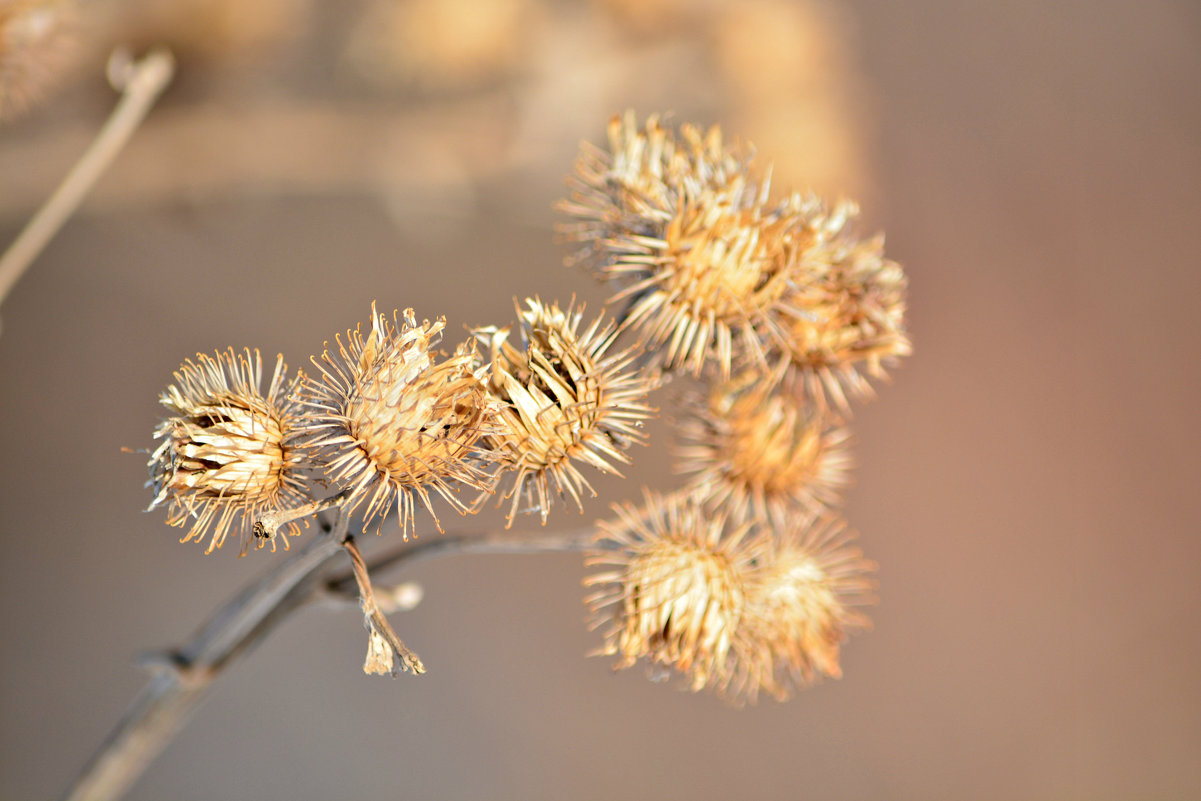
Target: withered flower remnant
x=845 y=317
x=227 y=452
x=712 y=274
x=711 y=283
x=761 y=452
x=799 y=608
x=562 y=401
x=674 y=587
x=687 y=238
x=741 y=582
x=388 y=422
x=637 y=186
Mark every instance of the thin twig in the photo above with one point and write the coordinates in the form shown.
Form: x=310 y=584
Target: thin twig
x=385 y=646
x=344 y=585
x=159 y=711
x=269 y=523
x=141 y=83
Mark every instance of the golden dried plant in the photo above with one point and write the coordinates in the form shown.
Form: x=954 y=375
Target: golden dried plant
x=847 y=318
x=761 y=452
x=681 y=229
x=673 y=588
x=228 y=452
x=562 y=401
x=710 y=285
x=800 y=607
x=742 y=581
x=712 y=273
x=388 y=423
x=635 y=187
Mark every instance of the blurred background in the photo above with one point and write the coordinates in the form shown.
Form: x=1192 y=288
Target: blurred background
x=1027 y=484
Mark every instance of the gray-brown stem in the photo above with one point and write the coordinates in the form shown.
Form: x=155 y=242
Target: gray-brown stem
x=187 y=673
x=141 y=83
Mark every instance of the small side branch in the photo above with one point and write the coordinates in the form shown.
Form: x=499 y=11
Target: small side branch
x=268 y=525
x=463 y=544
x=385 y=647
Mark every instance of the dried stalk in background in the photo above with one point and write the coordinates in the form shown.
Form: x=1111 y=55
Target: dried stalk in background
x=141 y=83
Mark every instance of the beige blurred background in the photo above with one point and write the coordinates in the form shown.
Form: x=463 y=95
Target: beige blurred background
x=1028 y=484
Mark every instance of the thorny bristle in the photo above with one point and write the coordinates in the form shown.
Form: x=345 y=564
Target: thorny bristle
x=761 y=452
x=227 y=452
x=673 y=588
x=388 y=423
x=562 y=401
x=800 y=607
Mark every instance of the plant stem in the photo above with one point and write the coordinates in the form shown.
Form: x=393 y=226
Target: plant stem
x=385 y=646
x=185 y=674
x=344 y=585
x=141 y=84
x=267 y=526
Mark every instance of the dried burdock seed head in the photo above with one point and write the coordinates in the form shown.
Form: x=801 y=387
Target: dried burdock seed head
x=660 y=165
x=38 y=40
x=845 y=317
x=799 y=608
x=673 y=589
x=563 y=401
x=636 y=187
x=226 y=454
x=760 y=451
x=701 y=261
x=710 y=284
x=389 y=423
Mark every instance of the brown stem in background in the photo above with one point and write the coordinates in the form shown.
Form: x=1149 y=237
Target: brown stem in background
x=141 y=83
x=184 y=675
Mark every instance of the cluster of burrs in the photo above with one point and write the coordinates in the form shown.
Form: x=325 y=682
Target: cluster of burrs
x=770 y=311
